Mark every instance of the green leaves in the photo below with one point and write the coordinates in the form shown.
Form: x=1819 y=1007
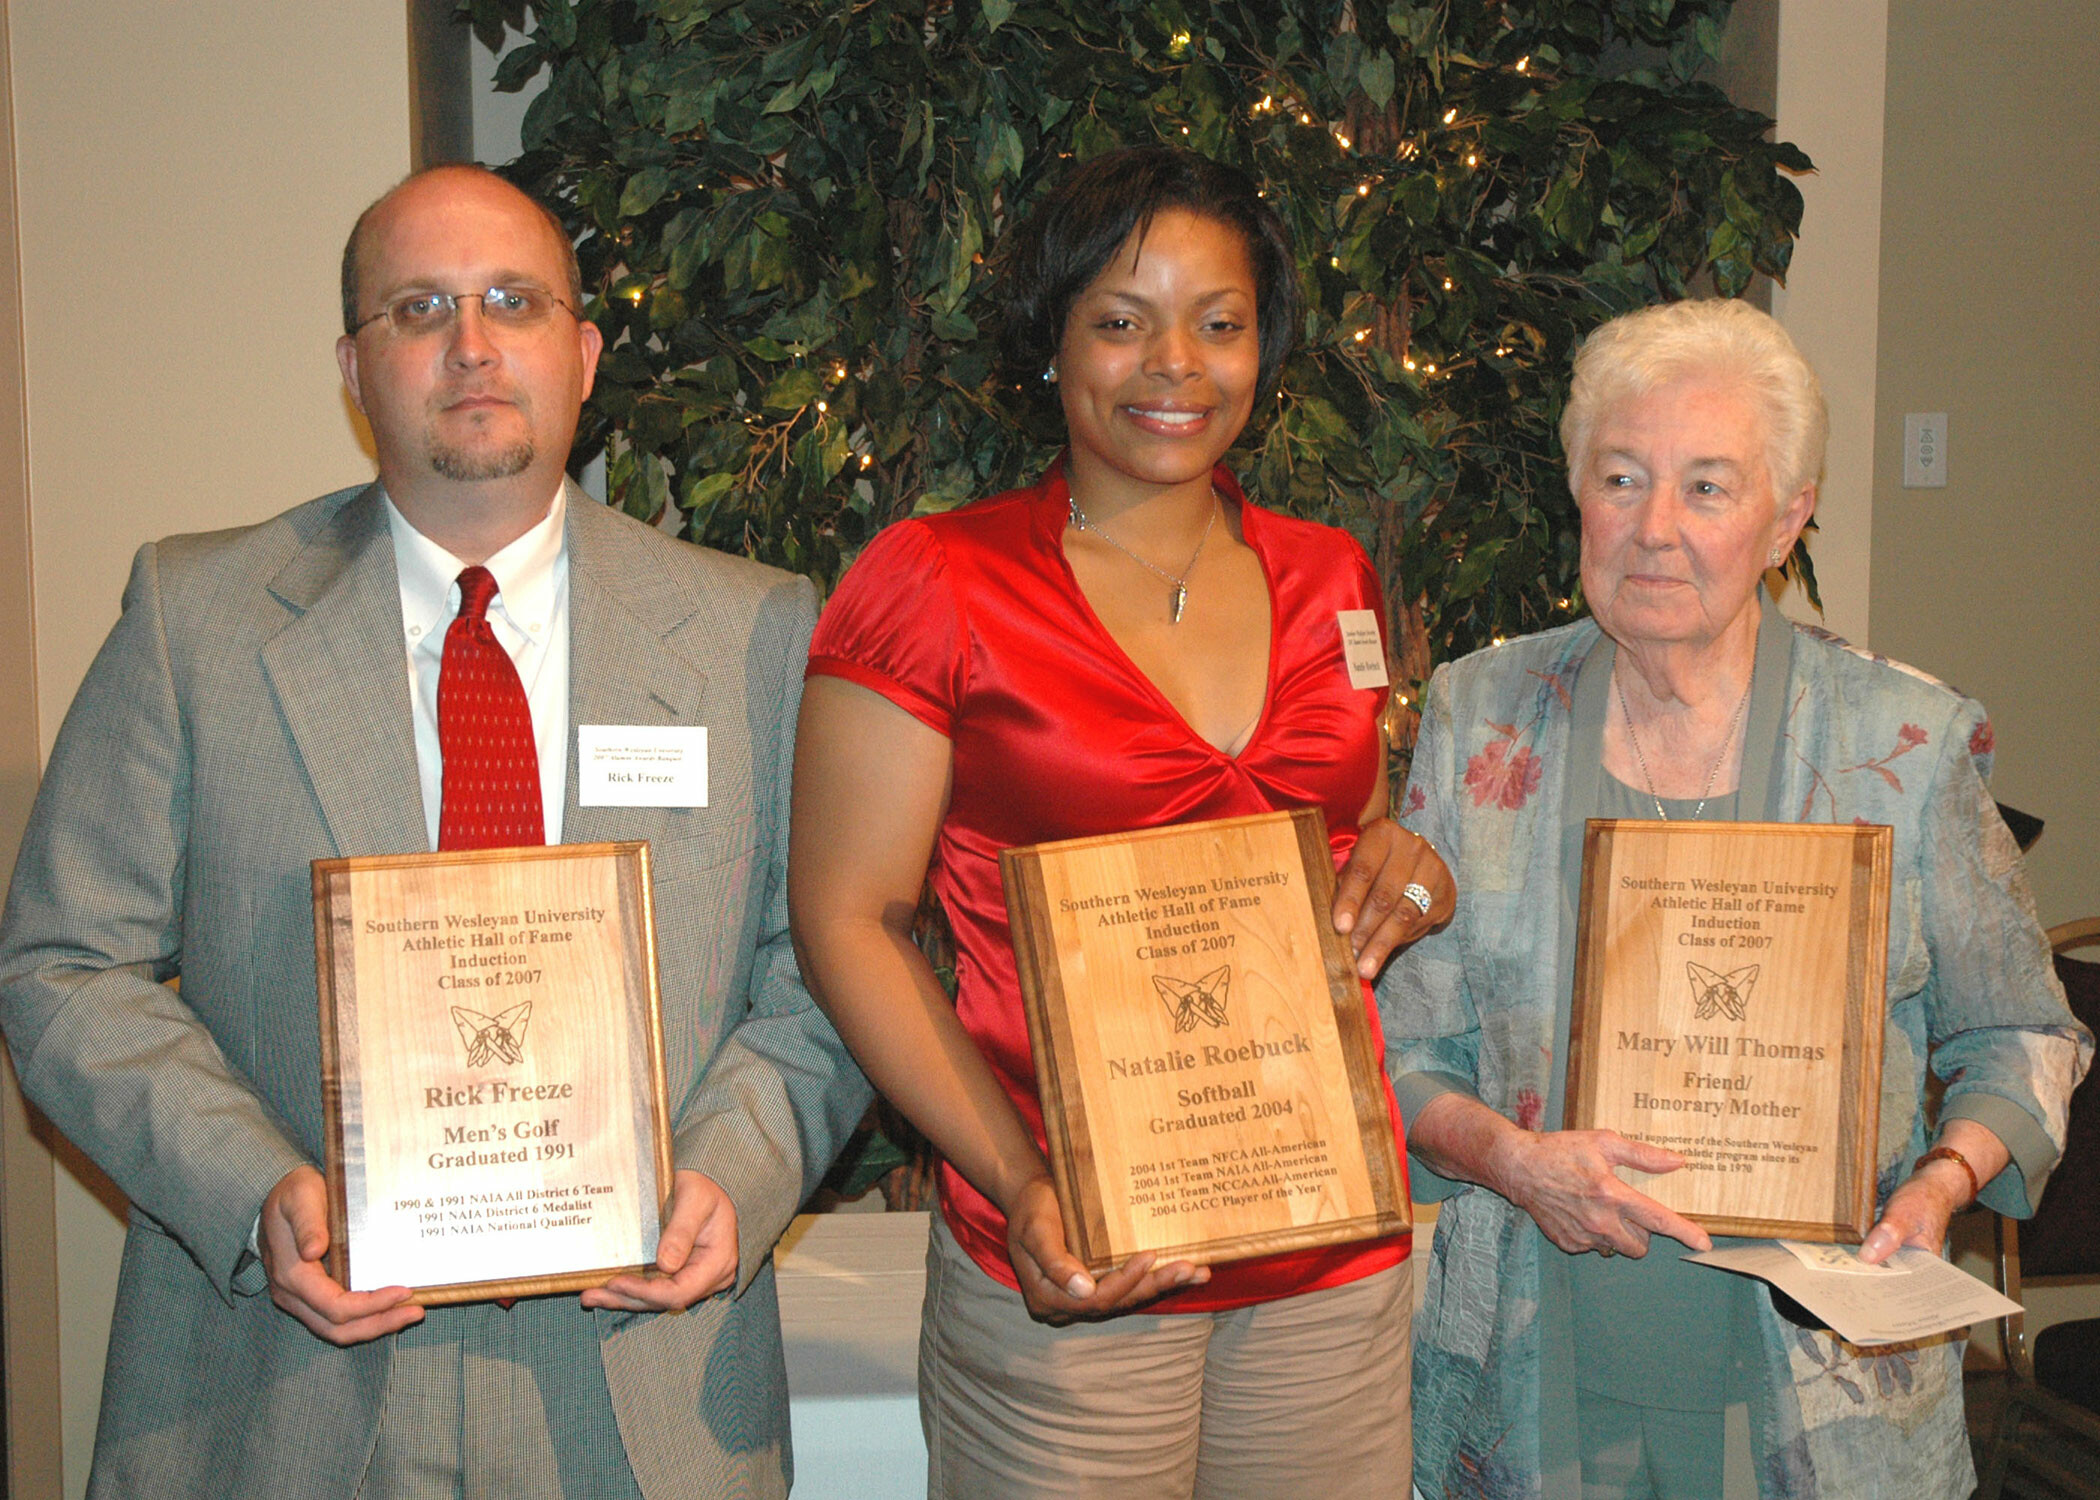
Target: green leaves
x=792 y=390
x=1375 y=73
x=643 y=190
x=999 y=153
x=786 y=209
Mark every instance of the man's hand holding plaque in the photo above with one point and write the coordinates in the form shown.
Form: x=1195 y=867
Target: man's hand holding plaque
x=293 y=1237
x=695 y=1253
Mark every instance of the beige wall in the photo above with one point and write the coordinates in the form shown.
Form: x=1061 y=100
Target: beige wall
x=1991 y=256
x=185 y=176
x=1829 y=104
x=28 y=1236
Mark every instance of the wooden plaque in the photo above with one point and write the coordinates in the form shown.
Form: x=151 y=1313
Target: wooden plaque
x=1210 y=1087
x=491 y=1069
x=1729 y=1005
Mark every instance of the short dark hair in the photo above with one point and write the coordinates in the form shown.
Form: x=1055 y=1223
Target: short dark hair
x=351 y=246
x=1054 y=254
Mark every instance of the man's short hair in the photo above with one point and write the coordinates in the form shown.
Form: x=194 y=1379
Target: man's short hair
x=351 y=289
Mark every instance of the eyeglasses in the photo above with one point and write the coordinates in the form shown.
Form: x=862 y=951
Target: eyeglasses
x=415 y=314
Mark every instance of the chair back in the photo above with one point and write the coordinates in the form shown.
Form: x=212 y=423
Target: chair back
x=2063 y=1237
x=2058 y=1241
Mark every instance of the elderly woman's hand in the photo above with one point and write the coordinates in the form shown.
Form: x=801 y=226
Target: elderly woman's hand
x=1918 y=1211
x=1917 y=1215
x=1371 y=904
x=1563 y=1178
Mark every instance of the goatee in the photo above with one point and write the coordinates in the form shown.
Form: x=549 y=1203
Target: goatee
x=467 y=465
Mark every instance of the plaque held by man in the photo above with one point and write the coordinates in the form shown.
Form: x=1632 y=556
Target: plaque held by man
x=1729 y=1005
x=1210 y=1086
x=492 y=1069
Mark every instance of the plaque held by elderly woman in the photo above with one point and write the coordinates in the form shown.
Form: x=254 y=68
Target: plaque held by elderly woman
x=1209 y=1082
x=492 y=1069
x=1729 y=1005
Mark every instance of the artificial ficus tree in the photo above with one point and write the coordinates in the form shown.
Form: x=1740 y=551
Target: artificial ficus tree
x=785 y=208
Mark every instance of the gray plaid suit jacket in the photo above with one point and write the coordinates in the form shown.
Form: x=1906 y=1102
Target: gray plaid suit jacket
x=248 y=714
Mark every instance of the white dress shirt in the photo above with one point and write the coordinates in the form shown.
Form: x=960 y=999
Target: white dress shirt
x=530 y=615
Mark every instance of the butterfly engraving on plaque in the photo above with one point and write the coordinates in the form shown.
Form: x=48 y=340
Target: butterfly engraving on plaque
x=1189 y=1001
x=1715 y=993
x=484 y=1037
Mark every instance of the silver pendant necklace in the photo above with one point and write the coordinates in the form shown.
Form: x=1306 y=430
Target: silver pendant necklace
x=1178 y=600
x=1712 y=771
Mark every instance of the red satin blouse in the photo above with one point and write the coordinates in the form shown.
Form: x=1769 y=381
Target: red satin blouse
x=973 y=623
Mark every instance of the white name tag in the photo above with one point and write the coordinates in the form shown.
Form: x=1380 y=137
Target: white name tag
x=638 y=765
x=1362 y=648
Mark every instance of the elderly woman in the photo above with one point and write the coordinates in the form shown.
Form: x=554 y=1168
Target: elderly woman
x=1565 y=1348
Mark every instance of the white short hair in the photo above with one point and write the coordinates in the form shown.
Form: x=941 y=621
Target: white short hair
x=1638 y=352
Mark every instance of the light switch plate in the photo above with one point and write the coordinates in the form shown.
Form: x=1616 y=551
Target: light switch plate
x=1925 y=450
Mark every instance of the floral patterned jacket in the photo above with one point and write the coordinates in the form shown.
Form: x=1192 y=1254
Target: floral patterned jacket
x=1835 y=735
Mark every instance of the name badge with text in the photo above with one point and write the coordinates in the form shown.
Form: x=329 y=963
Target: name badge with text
x=1362 y=648
x=641 y=765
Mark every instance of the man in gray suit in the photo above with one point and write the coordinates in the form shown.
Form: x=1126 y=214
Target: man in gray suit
x=268 y=698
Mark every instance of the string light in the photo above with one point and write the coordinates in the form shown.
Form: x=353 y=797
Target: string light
x=1472 y=160
x=1524 y=65
x=839 y=373
x=1450 y=114
x=823 y=406
x=1429 y=369
x=1447 y=283
x=867 y=460
x=1498 y=640
x=1335 y=261
x=1184 y=130
x=1339 y=140
x=1362 y=334
x=1407 y=364
x=1363 y=190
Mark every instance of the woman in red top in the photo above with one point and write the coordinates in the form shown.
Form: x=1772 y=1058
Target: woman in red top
x=1127 y=644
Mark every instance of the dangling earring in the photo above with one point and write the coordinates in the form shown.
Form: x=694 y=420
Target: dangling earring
x=1050 y=375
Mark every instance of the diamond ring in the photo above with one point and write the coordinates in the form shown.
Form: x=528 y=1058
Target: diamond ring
x=1418 y=893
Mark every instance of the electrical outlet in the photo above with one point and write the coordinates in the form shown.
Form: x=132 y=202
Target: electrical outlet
x=1925 y=450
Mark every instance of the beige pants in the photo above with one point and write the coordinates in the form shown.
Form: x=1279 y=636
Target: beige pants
x=1304 y=1398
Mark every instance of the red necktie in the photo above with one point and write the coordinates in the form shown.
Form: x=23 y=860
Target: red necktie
x=492 y=773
